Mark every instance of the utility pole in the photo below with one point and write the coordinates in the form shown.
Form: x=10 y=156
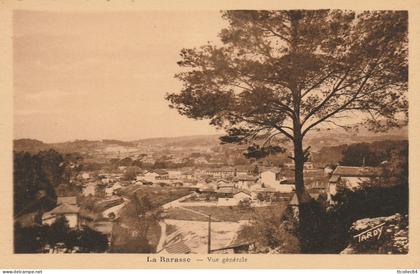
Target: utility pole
x=209 y=237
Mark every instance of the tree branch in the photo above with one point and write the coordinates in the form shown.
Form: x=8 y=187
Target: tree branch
x=328 y=97
x=341 y=108
x=267 y=123
x=317 y=84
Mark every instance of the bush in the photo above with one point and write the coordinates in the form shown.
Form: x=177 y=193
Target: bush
x=34 y=239
x=323 y=230
x=244 y=204
x=270 y=233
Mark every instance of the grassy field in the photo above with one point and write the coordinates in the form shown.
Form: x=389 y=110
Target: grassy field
x=177 y=213
x=157 y=195
x=222 y=213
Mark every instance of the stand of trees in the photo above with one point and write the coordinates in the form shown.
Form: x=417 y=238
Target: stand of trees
x=34 y=178
x=372 y=154
x=39 y=178
x=35 y=239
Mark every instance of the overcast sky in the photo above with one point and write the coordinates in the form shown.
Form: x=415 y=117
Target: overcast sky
x=103 y=75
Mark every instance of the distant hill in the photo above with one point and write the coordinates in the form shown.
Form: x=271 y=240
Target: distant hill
x=183 y=141
x=338 y=136
x=316 y=139
x=30 y=145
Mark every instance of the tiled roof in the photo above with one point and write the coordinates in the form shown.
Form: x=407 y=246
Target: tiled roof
x=161 y=172
x=26 y=220
x=67 y=200
x=243 y=191
x=65 y=208
x=334 y=178
x=246 y=178
x=187 y=173
x=226 y=190
x=358 y=171
x=221 y=182
x=272 y=169
x=178 y=248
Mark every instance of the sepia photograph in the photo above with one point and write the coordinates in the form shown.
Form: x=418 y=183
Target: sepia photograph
x=231 y=131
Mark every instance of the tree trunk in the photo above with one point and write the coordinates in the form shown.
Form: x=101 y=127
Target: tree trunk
x=299 y=163
x=299 y=156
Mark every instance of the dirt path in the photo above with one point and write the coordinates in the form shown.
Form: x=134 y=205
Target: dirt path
x=163 y=236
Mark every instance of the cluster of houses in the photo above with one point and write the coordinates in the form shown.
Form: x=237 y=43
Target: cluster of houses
x=226 y=184
x=101 y=220
x=222 y=187
x=213 y=186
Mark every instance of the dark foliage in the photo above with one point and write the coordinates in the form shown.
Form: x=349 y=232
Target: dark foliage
x=257 y=152
x=39 y=178
x=371 y=154
x=29 y=239
x=90 y=240
x=326 y=231
x=330 y=155
x=34 y=239
x=34 y=178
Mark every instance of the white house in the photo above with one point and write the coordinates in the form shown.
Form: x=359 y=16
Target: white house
x=234 y=200
x=140 y=176
x=85 y=175
x=245 y=181
x=200 y=161
x=174 y=174
x=187 y=175
x=224 y=183
x=240 y=173
x=162 y=174
x=150 y=176
x=105 y=180
x=221 y=173
x=89 y=189
x=71 y=200
x=241 y=195
x=272 y=178
x=328 y=170
x=352 y=177
x=109 y=191
x=153 y=176
x=70 y=212
x=271 y=175
x=308 y=165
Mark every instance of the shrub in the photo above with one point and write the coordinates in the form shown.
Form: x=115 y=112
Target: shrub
x=323 y=230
